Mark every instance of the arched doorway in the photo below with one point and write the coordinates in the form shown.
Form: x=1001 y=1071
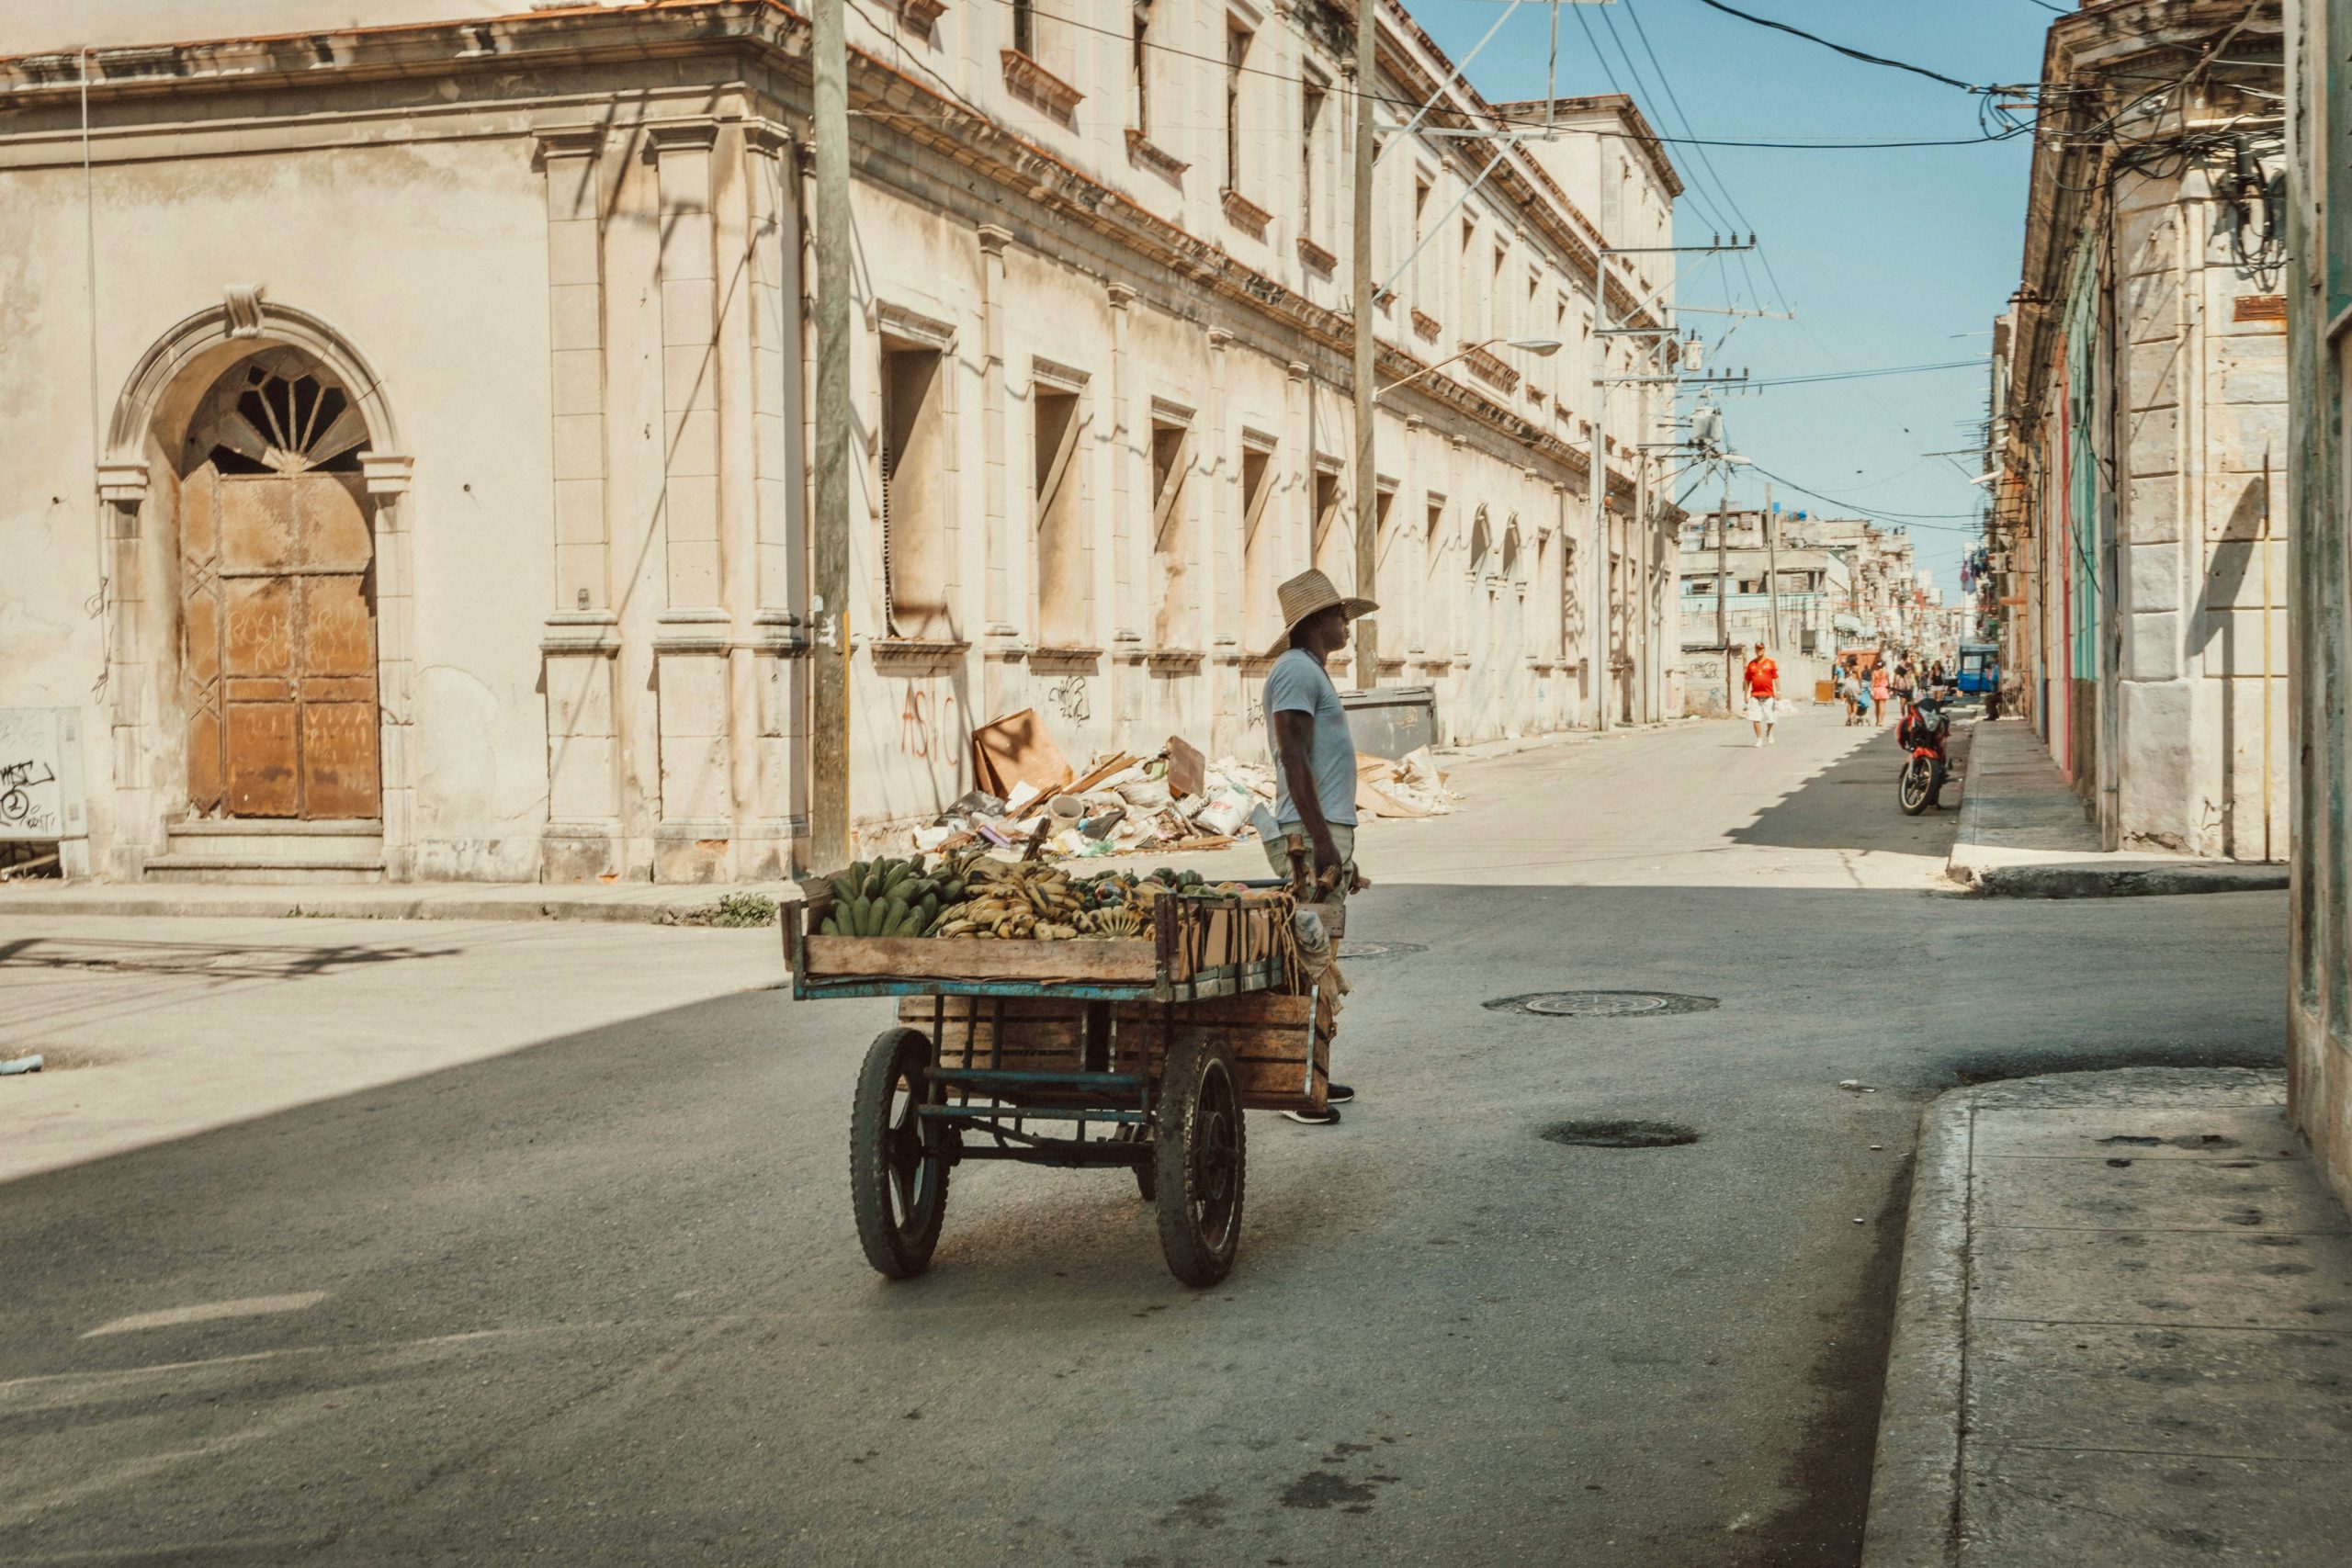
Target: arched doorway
x=277 y=597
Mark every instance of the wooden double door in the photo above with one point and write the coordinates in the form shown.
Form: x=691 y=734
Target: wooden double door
x=278 y=617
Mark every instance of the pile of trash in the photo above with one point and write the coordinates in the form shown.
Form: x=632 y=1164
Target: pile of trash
x=1030 y=801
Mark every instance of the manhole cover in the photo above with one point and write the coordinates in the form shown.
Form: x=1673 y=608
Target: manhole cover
x=1379 y=949
x=1620 y=1134
x=1602 y=1004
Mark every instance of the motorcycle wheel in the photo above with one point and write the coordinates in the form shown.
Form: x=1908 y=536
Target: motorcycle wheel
x=1915 y=788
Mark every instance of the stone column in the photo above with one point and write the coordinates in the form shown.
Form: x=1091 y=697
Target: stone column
x=134 y=747
x=387 y=476
x=778 y=815
x=580 y=638
x=693 y=837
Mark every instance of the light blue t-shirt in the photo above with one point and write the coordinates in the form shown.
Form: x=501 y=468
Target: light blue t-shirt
x=1299 y=685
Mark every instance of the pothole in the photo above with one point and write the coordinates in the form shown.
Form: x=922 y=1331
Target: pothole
x=1602 y=1004
x=1362 y=949
x=1619 y=1134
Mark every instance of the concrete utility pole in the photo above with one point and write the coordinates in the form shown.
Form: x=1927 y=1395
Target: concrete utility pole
x=829 y=721
x=1723 y=550
x=1597 y=485
x=1367 y=634
x=1772 y=566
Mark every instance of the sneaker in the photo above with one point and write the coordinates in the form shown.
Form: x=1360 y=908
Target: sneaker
x=1338 y=1094
x=1770 y=739
x=1759 y=740
x=1326 y=1118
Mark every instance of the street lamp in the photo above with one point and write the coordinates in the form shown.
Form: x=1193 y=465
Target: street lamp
x=1542 y=348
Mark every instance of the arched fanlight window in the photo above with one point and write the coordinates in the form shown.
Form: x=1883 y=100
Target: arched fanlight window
x=277 y=413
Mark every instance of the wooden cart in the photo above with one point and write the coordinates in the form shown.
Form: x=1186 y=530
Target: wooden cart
x=1139 y=1053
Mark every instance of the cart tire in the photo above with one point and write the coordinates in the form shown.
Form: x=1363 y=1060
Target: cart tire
x=897 y=1177
x=1199 y=1161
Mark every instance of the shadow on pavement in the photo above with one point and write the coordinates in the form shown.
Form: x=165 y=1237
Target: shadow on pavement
x=1851 y=804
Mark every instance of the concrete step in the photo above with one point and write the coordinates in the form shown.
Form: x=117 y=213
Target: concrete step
x=261 y=840
x=280 y=865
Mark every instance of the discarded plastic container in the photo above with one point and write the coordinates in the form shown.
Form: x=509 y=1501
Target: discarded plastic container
x=21 y=1065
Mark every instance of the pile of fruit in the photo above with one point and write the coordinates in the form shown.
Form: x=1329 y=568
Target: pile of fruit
x=1017 y=903
x=892 y=897
x=974 y=898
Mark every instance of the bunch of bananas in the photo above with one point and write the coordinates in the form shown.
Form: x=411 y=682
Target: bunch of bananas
x=892 y=897
x=1014 y=902
x=1115 y=921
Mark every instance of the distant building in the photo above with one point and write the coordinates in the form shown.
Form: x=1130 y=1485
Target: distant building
x=1843 y=583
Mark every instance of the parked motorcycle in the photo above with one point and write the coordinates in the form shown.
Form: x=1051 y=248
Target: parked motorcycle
x=1922 y=734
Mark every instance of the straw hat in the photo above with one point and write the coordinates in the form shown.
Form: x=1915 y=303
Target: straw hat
x=1307 y=593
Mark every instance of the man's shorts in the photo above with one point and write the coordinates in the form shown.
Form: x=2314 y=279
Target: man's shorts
x=1764 y=710
x=1342 y=839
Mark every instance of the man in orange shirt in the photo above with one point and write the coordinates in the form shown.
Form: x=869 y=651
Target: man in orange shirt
x=1762 y=682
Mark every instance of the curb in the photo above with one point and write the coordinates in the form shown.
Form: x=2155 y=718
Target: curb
x=332 y=906
x=1915 y=1479
x=2116 y=875
x=2088 y=879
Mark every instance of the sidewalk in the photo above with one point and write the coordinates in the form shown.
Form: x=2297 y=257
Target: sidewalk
x=2024 y=834
x=638 y=902
x=2123 y=1334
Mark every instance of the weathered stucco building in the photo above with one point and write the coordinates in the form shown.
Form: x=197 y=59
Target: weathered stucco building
x=2318 y=302
x=408 y=419
x=2138 y=515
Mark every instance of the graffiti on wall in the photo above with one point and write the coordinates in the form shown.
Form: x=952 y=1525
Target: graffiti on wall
x=1068 y=697
x=31 y=804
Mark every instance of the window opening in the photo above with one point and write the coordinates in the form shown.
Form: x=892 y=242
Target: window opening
x=1171 y=462
x=1237 y=49
x=1312 y=98
x=914 y=496
x=1024 y=27
x=278 y=414
x=1257 y=558
x=1064 y=593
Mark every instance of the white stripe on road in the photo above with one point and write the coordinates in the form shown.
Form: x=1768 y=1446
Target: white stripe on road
x=209 y=1312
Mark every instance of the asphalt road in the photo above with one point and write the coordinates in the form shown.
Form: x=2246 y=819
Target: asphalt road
x=598 y=1300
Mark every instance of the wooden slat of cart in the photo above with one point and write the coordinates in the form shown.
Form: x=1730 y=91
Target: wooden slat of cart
x=1274 y=1037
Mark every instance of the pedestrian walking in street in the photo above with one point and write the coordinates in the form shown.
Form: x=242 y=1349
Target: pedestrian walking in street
x=1882 y=689
x=1315 y=755
x=1850 y=687
x=1761 y=688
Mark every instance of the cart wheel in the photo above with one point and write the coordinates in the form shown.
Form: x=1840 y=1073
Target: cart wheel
x=898 y=1178
x=1198 y=1161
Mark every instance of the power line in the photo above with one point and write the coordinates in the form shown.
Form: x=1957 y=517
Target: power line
x=1865 y=375
x=1414 y=104
x=1675 y=100
x=1864 y=57
x=1928 y=520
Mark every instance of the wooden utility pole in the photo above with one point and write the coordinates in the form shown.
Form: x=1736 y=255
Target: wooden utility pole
x=1367 y=634
x=828 y=845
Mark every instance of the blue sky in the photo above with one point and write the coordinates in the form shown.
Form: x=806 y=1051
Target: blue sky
x=1887 y=255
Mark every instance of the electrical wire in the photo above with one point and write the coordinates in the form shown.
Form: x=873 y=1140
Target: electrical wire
x=1850 y=54
x=1414 y=104
x=1634 y=15
x=1863 y=375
